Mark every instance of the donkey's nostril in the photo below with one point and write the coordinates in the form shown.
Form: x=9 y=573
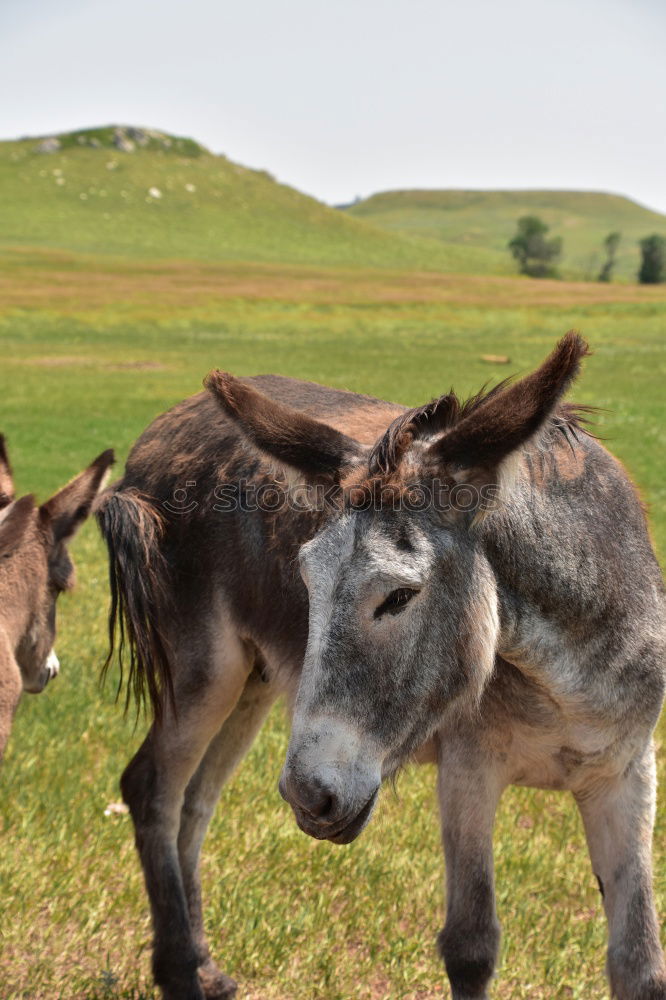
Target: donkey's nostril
x=322 y=806
x=316 y=799
x=313 y=797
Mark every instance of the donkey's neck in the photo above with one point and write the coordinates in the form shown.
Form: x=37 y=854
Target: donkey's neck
x=570 y=533
x=19 y=587
x=13 y=625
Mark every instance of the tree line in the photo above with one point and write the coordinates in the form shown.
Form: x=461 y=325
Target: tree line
x=537 y=254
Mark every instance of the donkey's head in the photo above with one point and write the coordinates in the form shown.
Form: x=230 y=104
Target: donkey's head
x=35 y=567
x=403 y=603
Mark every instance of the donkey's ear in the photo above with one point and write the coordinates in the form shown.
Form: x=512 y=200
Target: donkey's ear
x=69 y=508
x=317 y=451
x=509 y=418
x=6 y=480
x=14 y=524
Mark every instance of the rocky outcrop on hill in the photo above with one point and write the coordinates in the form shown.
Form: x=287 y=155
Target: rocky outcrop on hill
x=50 y=145
x=123 y=138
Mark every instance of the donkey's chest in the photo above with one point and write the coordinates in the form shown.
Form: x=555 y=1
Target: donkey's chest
x=560 y=758
x=541 y=739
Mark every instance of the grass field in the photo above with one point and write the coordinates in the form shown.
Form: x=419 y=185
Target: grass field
x=92 y=350
x=487 y=219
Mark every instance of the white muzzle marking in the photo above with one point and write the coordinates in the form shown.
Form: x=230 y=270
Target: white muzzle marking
x=52 y=665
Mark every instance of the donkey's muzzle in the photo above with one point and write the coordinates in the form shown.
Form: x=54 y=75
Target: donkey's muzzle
x=51 y=669
x=321 y=808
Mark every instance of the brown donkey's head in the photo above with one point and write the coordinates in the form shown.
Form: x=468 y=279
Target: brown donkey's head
x=403 y=601
x=35 y=567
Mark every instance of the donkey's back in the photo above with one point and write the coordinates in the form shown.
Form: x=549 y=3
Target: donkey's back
x=195 y=440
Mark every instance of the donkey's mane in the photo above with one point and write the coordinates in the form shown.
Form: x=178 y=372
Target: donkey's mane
x=446 y=412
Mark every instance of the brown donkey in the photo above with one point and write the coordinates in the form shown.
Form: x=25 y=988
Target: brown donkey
x=468 y=584
x=34 y=568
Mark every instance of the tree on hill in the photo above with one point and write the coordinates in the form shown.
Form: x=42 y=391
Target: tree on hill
x=611 y=243
x=653 y=260
x=535 y=254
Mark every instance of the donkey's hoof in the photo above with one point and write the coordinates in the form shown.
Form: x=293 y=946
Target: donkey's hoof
x=216 y=985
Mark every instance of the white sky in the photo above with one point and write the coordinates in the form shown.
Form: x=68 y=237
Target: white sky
x=346 y=97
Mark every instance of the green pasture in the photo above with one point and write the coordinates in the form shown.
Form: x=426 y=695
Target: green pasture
x=487 y=219
x=290 y=918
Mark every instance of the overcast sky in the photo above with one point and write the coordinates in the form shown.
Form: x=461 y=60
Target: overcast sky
x=345 y=97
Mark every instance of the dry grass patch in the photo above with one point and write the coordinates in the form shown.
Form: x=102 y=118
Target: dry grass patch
x=78 y=283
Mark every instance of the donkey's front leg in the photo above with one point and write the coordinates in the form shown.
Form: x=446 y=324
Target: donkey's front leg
x=618 y=818
x=469 y=791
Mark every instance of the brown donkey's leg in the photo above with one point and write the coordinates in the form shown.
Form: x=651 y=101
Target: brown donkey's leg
x=618 y=820
x=153 y=786
x=468 y=797
x=224 y=753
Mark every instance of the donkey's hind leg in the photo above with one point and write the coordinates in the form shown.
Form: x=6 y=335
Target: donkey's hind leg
x=154 y=784
x=224 y=753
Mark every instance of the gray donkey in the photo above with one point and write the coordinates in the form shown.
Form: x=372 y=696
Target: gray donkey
x=35 y=568
x=467 y=584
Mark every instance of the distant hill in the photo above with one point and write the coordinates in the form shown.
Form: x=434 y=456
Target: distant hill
x=125 y=190
x=487 y=219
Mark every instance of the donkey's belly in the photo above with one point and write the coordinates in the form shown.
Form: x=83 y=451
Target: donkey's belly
x=427 y=754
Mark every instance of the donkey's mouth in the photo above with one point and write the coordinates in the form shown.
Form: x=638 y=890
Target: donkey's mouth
x=351 y=830
x=340 y=833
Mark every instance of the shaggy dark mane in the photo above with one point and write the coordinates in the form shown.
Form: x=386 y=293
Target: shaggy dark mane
x=431 y=418
x=575 y=418
x=446 y=412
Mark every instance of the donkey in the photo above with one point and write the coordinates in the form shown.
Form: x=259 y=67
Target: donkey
x=34 y=568
x=470 y=584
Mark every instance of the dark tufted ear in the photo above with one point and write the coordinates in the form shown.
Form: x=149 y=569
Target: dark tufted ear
x=6 y=480
x=69 y=508
x=317 y=451
x=509 y=417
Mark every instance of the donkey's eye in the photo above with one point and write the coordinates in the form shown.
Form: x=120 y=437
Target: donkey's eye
x=395 y=601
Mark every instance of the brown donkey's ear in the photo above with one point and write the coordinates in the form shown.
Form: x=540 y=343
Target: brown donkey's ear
x=314 y=449
x=14 y=524
x=509 y=417
x=6 y=480
x=69 y=508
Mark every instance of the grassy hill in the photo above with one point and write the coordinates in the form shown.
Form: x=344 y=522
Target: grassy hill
x=144 y=193
x=487 y=219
